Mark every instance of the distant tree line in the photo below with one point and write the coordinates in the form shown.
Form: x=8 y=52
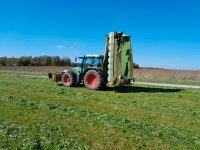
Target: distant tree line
x=39 y=61
x=136 y=65
x=35 y=61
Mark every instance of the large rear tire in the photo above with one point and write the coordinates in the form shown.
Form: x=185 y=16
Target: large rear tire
x=93 y=80
x=68 y=79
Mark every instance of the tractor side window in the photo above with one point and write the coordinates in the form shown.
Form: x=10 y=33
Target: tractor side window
x=78 y=61
x=96 y=61
x=88 y=61
x=93 y=62
x=101 y=60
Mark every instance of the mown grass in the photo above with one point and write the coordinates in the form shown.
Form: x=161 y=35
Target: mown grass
x=38 y=114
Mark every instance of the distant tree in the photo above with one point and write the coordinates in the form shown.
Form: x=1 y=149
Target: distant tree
x=11 y=61
x=48 y=60
x=55 y=61
x=24 y=61
x=3 y=61
x=45 y=60
x=35 y=61
x=66 y=61
x=136 y=65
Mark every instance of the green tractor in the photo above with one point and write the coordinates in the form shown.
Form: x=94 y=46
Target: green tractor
x=114 y=68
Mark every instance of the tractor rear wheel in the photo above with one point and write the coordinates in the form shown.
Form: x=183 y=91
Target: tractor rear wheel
x=93 y=80
x=68 y=79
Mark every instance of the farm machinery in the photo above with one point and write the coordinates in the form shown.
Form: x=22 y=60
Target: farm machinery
x=114 y=68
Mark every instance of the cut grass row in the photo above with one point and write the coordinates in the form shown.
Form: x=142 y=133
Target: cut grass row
x=130 y=117
x=36 y=136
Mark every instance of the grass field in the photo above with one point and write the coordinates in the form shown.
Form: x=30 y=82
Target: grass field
x=36 y=113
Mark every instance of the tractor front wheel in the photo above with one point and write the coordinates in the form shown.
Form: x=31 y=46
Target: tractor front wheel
x=68 y=79
x=93 y=80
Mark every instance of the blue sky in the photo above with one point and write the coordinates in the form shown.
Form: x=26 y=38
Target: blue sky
x=165 y=33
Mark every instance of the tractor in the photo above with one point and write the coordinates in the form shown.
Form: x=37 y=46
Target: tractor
x=114 y=68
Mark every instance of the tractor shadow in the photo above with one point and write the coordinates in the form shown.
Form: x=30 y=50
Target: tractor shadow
x=136 y=89
x=139 y=89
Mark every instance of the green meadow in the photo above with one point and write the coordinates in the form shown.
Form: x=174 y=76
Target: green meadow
x=36 y=113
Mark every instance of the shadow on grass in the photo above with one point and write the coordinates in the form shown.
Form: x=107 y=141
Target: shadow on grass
x=138 y=89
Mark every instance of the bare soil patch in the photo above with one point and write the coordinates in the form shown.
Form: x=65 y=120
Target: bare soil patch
x=163 y=74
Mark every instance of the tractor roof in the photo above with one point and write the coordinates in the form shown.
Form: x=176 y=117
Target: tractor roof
x=93 y=55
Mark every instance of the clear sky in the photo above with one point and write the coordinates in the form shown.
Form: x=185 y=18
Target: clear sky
x=165 y=33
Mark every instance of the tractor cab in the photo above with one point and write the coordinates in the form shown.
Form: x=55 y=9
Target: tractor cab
x=89 y=61
x=87 y=71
